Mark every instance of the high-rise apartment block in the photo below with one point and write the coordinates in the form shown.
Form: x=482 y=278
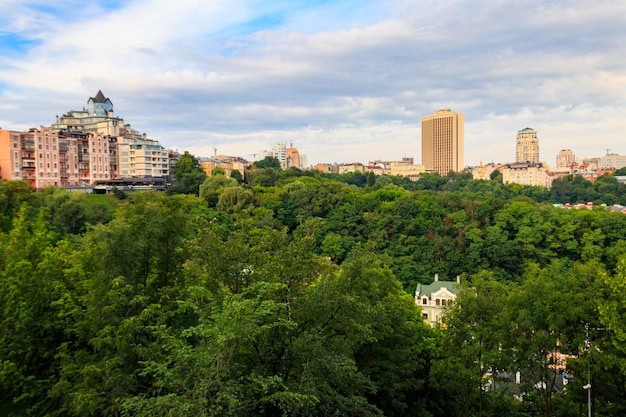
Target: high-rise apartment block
x=279 y=151
x=565 y=158
x=442 y=142
x=527 y=146
x=82 y=147
x=293 y=157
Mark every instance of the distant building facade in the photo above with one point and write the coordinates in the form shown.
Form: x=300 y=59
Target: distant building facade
x=565 y=158
x=527 y=146
x=403 y=168
x=613 y=160
x=525 y=173
x=292 y=157
x=40 y=157
x=108 y=148
x=279 y=151
x=325 y=168
x=434 y=298
x=443 y=141
x=353 y=167
x=227 y=163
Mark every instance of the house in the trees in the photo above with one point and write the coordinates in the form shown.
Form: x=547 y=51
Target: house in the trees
x=435 y=297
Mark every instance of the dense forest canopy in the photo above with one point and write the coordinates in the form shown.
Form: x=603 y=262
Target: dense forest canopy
x=291 y=293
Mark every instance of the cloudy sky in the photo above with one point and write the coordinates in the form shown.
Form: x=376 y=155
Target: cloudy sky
x=342 y=81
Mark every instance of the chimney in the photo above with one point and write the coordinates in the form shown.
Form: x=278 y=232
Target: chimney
x=458 y=279
x=436 y=277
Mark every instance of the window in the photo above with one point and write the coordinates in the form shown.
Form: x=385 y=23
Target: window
x=424 y=300
x=437 y=302
x=443 y=302
x=425 y=316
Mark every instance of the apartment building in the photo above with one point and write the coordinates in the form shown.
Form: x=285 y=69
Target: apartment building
x=527 y=146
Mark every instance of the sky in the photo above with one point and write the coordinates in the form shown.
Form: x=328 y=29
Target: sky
x=341 y=80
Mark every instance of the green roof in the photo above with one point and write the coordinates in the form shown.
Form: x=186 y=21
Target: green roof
x=428 y=289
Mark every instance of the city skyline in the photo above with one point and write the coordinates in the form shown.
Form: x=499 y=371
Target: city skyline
x=343 y=81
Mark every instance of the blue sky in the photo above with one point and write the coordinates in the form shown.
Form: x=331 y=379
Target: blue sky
x=343 y=81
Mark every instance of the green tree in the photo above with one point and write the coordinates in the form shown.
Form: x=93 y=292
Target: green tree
x=235 y=199
x=471 y=338
x=267 y=162
x=189 y=176
x=12 y=195
x=213 y=186
x=218 y=171
x=31 y=279
x=127 y=277
x=236 y=174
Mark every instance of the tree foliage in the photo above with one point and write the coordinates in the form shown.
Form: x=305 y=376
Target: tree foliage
x=292 y=295
x=189 y=176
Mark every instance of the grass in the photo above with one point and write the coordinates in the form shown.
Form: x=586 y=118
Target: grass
x=108 y=200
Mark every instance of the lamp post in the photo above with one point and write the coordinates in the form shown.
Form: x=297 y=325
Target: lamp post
x=588 y=386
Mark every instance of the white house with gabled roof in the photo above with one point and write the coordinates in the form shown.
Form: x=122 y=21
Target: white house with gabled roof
x=435 y=297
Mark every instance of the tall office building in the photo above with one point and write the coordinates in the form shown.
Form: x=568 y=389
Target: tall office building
x=527 y=149
x=442 y=142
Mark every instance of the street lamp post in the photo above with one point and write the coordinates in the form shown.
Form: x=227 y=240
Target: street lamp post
x=588 y=386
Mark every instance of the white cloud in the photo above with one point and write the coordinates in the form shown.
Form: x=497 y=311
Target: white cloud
x=342 y=82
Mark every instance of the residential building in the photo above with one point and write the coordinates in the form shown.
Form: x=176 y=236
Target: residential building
x=143 y=158
x=325 y=168
x=38 y=157
x=98 y=117
x=353 y=167
x=304 y=161
x=527 y=146
x=406 y=169
x=442 y=142
x=227 y=163
x=17 y=157
x=107 y=147
x=525 y=173
x=279 y=151
x=70 y=158
x=613 y=160
x=292 y=157
x=565 y=158
x=435 y=297
x=403 y=168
